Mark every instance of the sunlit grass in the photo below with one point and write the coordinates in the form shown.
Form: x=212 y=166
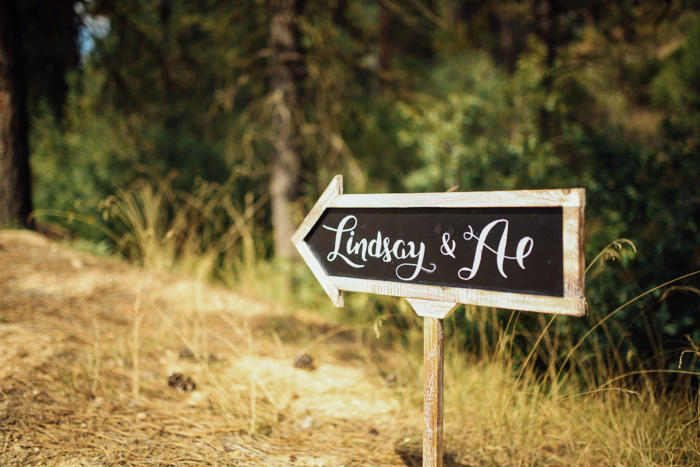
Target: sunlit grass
x=521 y=388
x=213 y=231
x=551 y=400
x=196 y=233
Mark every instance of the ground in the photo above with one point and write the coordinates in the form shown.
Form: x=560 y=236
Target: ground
x=106 y=364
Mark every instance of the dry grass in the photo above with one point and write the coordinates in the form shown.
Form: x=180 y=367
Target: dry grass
x=87 y=346
x=494 y=419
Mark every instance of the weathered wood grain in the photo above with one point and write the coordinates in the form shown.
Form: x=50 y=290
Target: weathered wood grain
x=574 y=306
x=573 y=244
x=476 y=199
x=334 y=189
x=432 y=309
x=433 y=390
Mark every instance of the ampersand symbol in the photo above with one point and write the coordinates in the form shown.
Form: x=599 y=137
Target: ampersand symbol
x=447 y=249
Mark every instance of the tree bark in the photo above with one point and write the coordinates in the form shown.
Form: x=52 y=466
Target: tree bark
x=384 y=47
x=15 y=179
x=285 y=180
x=49 y=51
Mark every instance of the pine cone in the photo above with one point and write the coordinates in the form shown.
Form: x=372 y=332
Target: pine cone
x=181 y=382
x=304 y=361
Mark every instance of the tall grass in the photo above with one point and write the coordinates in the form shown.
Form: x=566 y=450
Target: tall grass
x=219 y=232
x=521 y=388
x=525 y=389
x=213 y=231
x=532 y=389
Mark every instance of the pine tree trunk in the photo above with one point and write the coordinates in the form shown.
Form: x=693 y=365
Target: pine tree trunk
x=49 y=51
x=384 y=47
x=286 y=167
x=15 y=186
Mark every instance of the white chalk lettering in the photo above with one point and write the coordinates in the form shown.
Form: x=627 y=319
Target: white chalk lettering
x=380 y=247
x=338 y=237
x=522 y=251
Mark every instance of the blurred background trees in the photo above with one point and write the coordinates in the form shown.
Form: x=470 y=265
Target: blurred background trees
x=421 y=95
x=15 y=178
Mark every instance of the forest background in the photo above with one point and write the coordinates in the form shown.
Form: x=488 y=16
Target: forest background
x=169 y=130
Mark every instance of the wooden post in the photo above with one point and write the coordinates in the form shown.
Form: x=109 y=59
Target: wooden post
x=433 y=381
x=433 y=314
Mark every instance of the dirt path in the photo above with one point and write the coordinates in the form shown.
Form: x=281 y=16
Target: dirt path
x=98 y=360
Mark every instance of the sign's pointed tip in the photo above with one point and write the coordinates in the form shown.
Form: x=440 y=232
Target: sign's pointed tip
x=335 y=188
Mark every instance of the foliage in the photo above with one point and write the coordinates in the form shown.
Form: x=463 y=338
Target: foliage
x=76 y=167
x=501 y=95
x=164 y=146
x=479 y=132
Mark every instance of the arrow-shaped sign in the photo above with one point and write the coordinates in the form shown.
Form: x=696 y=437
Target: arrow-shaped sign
x=520 y=250
x=510 y=249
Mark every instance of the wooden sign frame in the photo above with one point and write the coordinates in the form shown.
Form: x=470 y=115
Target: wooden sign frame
x=571 y=201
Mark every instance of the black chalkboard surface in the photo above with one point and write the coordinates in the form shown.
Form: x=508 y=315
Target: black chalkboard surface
x=498 y=249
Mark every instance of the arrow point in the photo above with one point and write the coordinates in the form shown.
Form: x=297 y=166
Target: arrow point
x=335 y=188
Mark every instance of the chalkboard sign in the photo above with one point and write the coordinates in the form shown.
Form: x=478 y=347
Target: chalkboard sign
x=512 y=249
x=503 y=249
